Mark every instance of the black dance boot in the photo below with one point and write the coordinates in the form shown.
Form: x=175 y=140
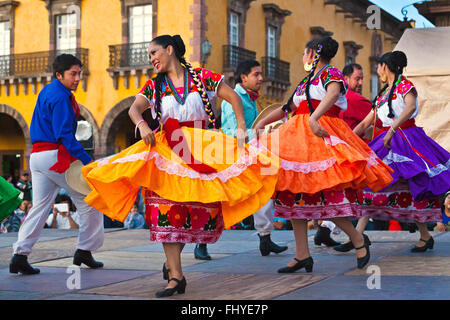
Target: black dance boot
x=266 y=245
x=84 y=256
x=201 y=252
x=19 y=263
x=323 y=236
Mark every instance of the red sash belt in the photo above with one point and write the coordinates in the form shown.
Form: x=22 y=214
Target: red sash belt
x=64 y=158
x=411 y=123
x=193 y=124
x=303 y=108
x=169 y=127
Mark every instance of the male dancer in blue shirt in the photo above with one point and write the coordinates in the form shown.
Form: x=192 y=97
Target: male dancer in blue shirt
x=52 y=132
x=248 y=82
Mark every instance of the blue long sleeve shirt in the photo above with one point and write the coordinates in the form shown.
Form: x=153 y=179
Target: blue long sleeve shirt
x=54 y=120
x=229 y=123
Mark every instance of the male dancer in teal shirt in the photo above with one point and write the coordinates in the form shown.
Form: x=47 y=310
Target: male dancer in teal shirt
x=248 y=82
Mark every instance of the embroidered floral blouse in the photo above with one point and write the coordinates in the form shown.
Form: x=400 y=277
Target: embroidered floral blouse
x=193 y=108
x=319 y=84
x=398 y=102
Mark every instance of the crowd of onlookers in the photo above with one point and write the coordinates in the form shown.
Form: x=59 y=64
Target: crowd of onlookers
x=63 y=214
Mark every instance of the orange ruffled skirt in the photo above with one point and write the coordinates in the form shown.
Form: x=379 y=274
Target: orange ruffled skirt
x=319 y=177
x=245 y=179
x=310 y=164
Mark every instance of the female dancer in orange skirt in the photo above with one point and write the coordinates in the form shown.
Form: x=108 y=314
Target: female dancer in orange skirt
x=323 y=163
x=196 y=181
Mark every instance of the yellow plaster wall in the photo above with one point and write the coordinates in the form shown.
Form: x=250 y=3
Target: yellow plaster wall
x=31 y=32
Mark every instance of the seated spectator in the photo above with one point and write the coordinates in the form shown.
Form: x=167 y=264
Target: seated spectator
x=66 y=218
x=24 y=185
x=13 y=222
x=22 y=210
x=135 y=220
x=9 y=178
x=279 y=223
x=445 y=206
x=3 y=228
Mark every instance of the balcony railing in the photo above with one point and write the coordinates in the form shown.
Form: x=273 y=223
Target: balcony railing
x=129 y=55
x=233 y=55
x=275 y=70
x=38 y=63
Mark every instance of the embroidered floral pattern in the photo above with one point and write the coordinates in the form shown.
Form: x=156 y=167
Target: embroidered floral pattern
x=332 y=74
x=321 y=205
x=171 y=221
x=210 y=79
x=400 y=206
x=403 y=87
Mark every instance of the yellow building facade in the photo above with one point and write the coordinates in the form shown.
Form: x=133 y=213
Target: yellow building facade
x=111 y=39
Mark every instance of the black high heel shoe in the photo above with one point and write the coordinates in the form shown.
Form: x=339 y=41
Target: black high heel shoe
x=165 y=272
x=305 y=263
x=179 y=288
x=429 y=244
x=323 y=235
x=362 y=262
x=345 y=247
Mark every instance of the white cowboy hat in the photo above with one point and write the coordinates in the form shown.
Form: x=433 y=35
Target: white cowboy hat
x=265 y=112
x=75 y=179
x=84 y=131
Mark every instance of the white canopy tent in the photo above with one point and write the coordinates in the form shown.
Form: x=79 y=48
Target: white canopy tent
x=428 y=53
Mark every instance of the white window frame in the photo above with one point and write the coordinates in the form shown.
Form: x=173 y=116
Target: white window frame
x=66 y=31
x=271 y=42
x=234 y=29
x=140 y=23
x=5 y=38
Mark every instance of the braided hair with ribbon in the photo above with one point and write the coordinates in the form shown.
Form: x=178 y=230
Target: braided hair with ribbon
x=326 y=48
x=395 y=62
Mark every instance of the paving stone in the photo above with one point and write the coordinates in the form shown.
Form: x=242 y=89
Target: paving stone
x=54 y=280
x=213 y=286
x=237 y=271
x=411 y=266
x=121 y=260
x=92 y=297
x=391 y=288
x=22 y=295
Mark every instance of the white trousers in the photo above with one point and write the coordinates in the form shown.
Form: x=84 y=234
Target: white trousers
x=46 y=185
x=263 y=219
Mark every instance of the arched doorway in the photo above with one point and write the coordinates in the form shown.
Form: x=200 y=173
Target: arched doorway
x=117 y=131
x=15 y=144
x=86 y=115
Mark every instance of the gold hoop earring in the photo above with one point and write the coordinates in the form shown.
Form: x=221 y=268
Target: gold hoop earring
x=383 y=78
x=308 y=67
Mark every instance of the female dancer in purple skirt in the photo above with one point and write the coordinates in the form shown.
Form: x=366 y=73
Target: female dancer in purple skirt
x=421 y=166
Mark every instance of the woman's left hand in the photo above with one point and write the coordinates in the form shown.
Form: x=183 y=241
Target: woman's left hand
x=317 y=129
x=387 y=139
x=241 y=136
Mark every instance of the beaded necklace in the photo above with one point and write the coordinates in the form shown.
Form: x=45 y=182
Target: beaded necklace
x=180 y=100
x=385 y=96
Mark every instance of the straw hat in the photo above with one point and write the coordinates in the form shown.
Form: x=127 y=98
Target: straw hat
x=75 y=179
x=265 y=112
x=84 y=131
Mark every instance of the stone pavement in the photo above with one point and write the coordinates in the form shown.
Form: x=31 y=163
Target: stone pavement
x=237 y=271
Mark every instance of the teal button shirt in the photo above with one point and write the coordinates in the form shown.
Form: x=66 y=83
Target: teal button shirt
x=229 y=123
